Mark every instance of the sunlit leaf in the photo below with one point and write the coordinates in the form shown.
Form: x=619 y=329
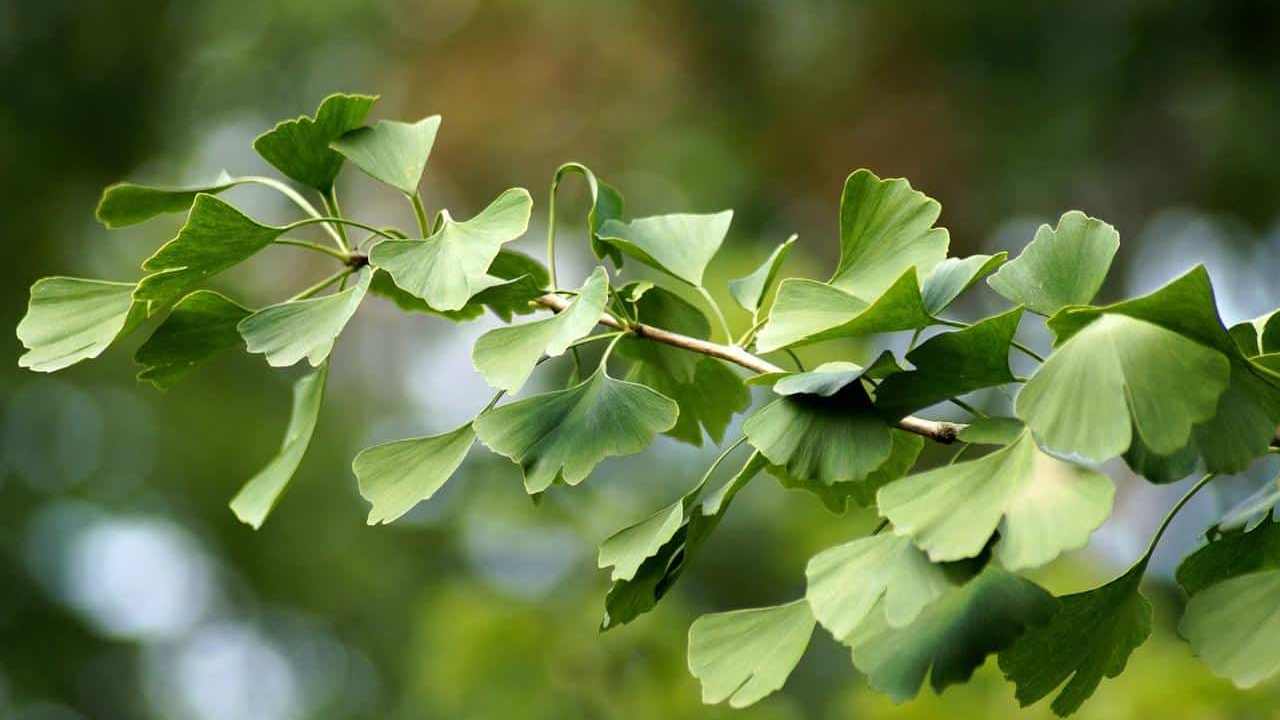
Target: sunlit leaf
x=300 y=148
x=627 y=549
x=1090 y=637
x=680 y=244
x=258 y=496
x=1114 y=377
x=953 y=276
x=395 y=476
x=515 y=280
x=886 y=228
x=201 y=325
x=1061 y=266
x=744 y=655
x=1041 y=506
x=806 y=311
x=991 y=431
x=292 y=330
x=750 y=291
x=606 y=204
x=393 y=152
x=506 y=356
x=215 y=237
x=952 y=364
x=128 y=203
x=952 y=637
x=563 y=435
x=451 y=266
x=74 y=319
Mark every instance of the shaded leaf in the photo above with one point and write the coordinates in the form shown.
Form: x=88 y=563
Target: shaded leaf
x=806 y=311
x=1229 y=555
x=1160 y=469
x=903 y=452
x=744 y=655
x=395 y=476
x=201 y=325
x=1061 y=266
x=392 y=152
x=953 y=276
x=662 y=308
x=707 y=402
x=451 y=266
x=991 y=431
x=300 y=148
x=1041 y=506
x=295 y=329
x=73 y=319
x=680 y=244
x=1234 y=627
x=750 y=290
x=258 y=496
x=127 y=203
x=563 y=435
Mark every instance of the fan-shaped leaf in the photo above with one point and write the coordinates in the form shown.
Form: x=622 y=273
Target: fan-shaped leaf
x=750 y=290
x=1234 y=626
x=1041 y=505
x=393 y=152
x=395 y=476
x=806 y=311
x=451 y=266
x=300 y=148
x=680 y=245
x=563 y=435
x=744 y=655
x=1061 y=266
x=201 y=325
x=707 y=402
x=127 y=203
x=991 y=431
x=953 y=276
x=292 y=330
x=903 y=453
x=74 y=319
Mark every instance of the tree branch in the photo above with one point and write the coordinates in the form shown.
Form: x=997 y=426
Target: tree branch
x=939 y=431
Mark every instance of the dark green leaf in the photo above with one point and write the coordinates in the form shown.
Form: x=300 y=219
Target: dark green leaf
x=1229 y=555
x=200 y=326
x=1061 y=266
x=74 y=319
x=1160 y=469
x=392 y=152
x=707 y=402
x=300 y=148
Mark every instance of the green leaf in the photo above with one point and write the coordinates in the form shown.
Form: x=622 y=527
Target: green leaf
x=952 y=364
x=215 y=237
x=707 y=402
x=395 y=476
x=1041 y=506
x=127 y=203
x=626 y=550
x=392 y=152
x=514 y=281
x=73 y=319
x=1091 y=636
x=563 y=435
x=506 y=356
x=1114 y=377
x=295 y=329
x=991 y=431
x=903 y=453
x=200 y=326
x=662 y=308
x=806 y=312
x=606 y=204
x=825 y=380
x=680 y=245
x=744 y=655
x=1253 y=509
x=384 y=286
x=1243 y=427
x=829 y=439
x=300 y=148
x=952 y=636
x=886 y=228
x=258 y=496
x=953 y=276
x=1161 y=469
x=846 y=583
x=750 y=291
x=1232 y=554
x=1061 y=266
x=451 y=266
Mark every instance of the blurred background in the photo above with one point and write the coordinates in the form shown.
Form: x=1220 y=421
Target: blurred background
x=128 y=590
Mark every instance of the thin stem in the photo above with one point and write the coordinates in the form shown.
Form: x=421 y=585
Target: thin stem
x=750 y=334
x=595 y=338
x=795 y=359
x=1026 y=350
x=1168 y=518
x=289 y=193
x=331 y=207
x=961 y=451
x=724 y=454
x=338 y=221
x=420 y=212
x=344 y=257
x=551 y=230
x=715 y=308
x=915 y=337
x=341 y=274
x=967 y=407
x=492 y=401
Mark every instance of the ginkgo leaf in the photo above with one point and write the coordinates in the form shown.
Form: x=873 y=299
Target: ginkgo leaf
x=506 y=356
x=627 y=549
x=1061 y=266
x=1041 y=506
x=1243 y=427
x=295 y=329
x=903 y=453
x=750 y=290
x=744 y=655
x=829 y=439
x=395 y=476
x=514 y=281
x=127 y=203
x=1249 y=512
x=1114 y=377
x=1090 y=637
x=215 y=237
x=259 y=496
x=953 y=276
x=201 y=325
x=563 y=435
x=952 y=364
x=451 y=266
x=806 y=312
x=606 y=204
x=825 y=380
x=681 y=244
x=886 y=228
x=707 y=402
x=991 y=431
x=1229 y=555
x=393 y=152
x=662 y=308
x=952 y=637
x=847 y=582
x=1157 y=468
x=300 y=148
x=74 y=319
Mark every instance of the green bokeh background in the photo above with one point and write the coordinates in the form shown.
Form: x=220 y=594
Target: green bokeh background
x=128 y=590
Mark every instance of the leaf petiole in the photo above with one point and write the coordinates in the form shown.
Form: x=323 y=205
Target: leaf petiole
x=715 y=308
x=1023 y=348
x=420 y=212
x=339 y=221
x=332 y=209
x=340 y=275
x=1168 y=518
x=344 y=257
